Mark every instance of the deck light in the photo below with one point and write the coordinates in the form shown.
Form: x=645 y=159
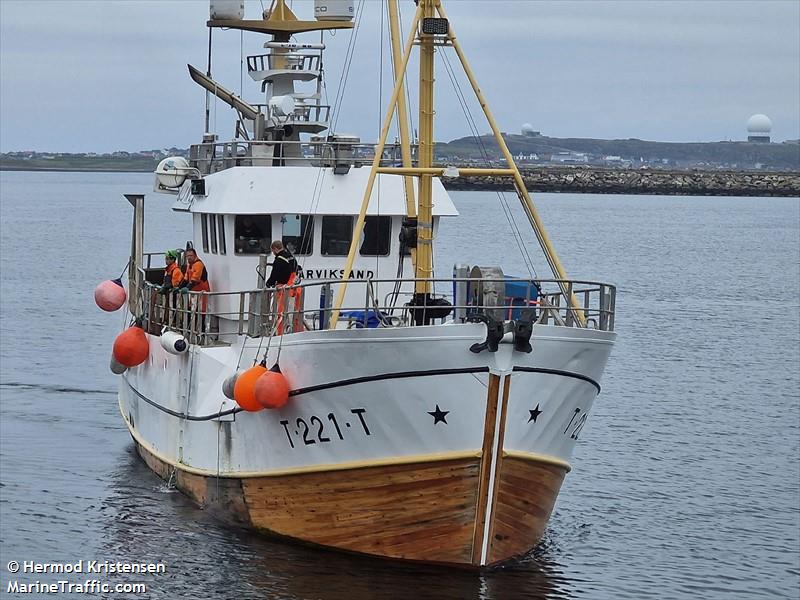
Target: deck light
x=435 y=26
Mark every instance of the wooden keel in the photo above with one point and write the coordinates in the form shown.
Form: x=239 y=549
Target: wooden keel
x=516 y=496
x=525 y=497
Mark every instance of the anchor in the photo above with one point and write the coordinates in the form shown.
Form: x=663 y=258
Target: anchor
x=523 y=328
x=495 y=330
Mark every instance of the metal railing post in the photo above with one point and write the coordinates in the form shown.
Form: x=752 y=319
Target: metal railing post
x=570 y=316
x=241 y=313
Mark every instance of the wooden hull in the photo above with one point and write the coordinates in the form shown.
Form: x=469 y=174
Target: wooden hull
x=425 y=512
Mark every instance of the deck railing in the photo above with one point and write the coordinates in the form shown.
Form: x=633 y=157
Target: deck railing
x=290 y=62
x=199 y=316
x=213 y=157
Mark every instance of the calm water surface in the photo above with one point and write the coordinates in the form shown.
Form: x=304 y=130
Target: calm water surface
x=686 y=480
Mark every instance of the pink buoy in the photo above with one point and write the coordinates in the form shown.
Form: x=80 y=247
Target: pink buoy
x=110 y=295
x=272 y=390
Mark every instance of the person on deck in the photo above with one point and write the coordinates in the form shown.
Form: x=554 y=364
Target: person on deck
x=172 y=272
x=284 y=267
x=195 y=277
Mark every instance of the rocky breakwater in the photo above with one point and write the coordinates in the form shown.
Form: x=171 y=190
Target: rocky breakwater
x=642 y=181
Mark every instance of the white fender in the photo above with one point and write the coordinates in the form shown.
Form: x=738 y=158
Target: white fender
x=173 y=342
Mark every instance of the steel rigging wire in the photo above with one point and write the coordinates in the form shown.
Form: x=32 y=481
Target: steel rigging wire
x=348 y=61
x=316 y=195
x=515 y=231
x=380 y=103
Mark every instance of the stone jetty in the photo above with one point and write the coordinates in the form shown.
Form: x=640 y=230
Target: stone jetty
x=588 y=180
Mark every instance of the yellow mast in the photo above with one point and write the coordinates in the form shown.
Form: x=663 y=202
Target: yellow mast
x=402 y=111
x=376 y=161
x=425 y=170
x=424 y=267
x=522 y=191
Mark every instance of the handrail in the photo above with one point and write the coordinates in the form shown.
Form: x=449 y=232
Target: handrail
x=201 y=316
x=217 y=156
x=296 y=62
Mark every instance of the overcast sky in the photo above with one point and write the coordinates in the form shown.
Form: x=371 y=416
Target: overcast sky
x=102 y=76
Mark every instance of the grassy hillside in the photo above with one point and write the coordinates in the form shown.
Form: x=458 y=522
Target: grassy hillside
x=785 y=156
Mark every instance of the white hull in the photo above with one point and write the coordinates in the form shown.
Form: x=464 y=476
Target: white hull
x=364 y=397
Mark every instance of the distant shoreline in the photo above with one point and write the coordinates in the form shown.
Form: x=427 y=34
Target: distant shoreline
x=73 y=169
x=581 y=180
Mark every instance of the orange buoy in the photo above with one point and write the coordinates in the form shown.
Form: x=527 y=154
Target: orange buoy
x=110 y=295
x=272 y=390
x=244 y=389
x=131 y=347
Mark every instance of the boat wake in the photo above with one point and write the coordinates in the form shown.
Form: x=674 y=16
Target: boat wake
x=59 y=389
x=165 y=488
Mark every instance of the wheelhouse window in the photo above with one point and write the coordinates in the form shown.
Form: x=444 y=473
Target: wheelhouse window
x=221 y=226
x=204 y=231
x=377 y=238
x=212 y=222
x=297 y=233
x=252 y=234
x=337 y=231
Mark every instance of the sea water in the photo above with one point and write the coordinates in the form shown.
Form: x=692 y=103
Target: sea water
x=685 y=482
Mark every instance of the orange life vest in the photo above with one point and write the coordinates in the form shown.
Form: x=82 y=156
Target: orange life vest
x=173 y=275
x=197 y=276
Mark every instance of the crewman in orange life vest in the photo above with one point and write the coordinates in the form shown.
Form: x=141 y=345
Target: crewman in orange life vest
x=195 y=276
x=172 y=272
x=172 y=281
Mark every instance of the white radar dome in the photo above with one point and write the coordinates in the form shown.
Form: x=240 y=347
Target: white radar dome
x=173 y=171
x=759 y=124
x=527 y=129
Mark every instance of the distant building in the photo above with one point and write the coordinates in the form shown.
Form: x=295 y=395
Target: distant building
x=759 y=128
x=615 y=161
x=569 y=158
x=529 y=131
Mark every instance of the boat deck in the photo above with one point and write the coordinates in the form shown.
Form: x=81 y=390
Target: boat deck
x=218 y=318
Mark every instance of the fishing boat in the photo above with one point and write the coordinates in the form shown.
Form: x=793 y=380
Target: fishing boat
x=369 y=404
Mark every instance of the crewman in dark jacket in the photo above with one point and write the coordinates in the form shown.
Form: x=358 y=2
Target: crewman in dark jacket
x=284 y=267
